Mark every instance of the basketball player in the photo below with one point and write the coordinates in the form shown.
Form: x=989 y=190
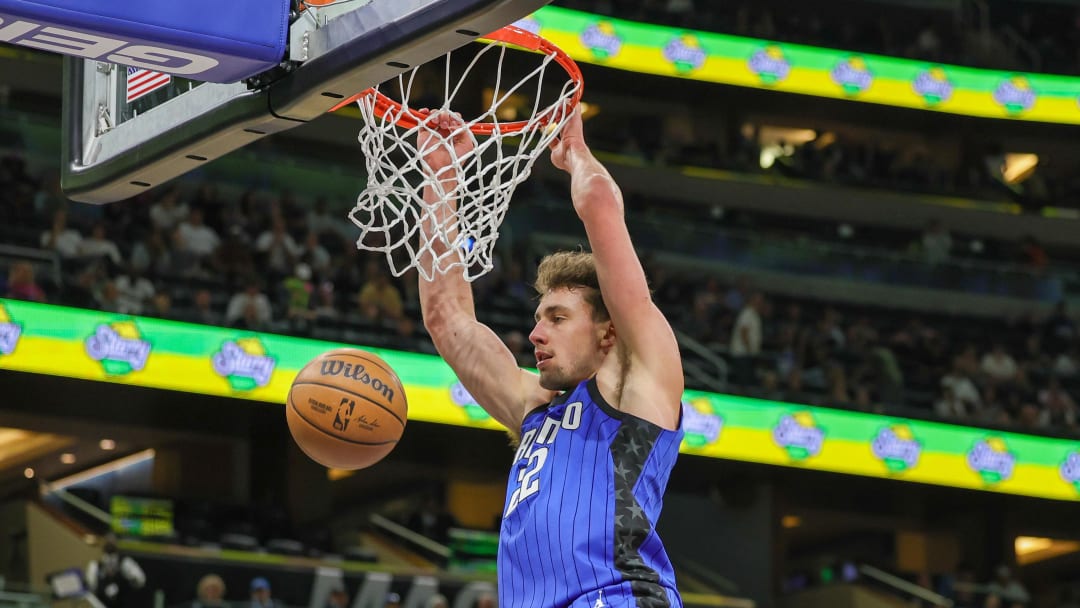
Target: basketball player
x=599 y=426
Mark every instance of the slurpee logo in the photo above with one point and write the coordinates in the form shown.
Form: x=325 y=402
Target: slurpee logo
x=9 y=332
x=992 y=460
x=119 y=347
x=244 y=363
x=700 y=425
x=769 y=64
x=934 y=86
x=1070 y=470
x=685 y=53
x=799 y=435
x=602 y=40
x=853 y=75
x=897 y=447
x=461 y=397
x=529 y=24
x=1015 y=94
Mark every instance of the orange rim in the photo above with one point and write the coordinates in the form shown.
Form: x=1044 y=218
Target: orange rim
x=510 y=35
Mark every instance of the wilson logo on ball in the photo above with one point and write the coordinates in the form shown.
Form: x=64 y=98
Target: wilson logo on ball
x=356 y=372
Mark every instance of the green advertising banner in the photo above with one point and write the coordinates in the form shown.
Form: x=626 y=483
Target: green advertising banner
x=100 y=346
x=794 y=68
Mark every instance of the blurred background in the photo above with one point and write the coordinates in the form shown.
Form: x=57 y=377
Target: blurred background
x=831 y=260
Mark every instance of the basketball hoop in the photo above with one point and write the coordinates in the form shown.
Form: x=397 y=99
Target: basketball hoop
x=464 y=222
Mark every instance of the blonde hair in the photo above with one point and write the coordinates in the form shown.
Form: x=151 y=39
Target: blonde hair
x=206 y=582
x=572 y=270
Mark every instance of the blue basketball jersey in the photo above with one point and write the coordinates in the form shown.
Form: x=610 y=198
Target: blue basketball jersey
x=585 y=491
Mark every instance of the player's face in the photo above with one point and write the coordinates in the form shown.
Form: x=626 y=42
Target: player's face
x=569 y=344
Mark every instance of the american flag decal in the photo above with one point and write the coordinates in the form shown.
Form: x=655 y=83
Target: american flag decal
x=140 y=82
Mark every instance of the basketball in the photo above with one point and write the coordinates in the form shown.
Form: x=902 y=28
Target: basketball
x=346 y=409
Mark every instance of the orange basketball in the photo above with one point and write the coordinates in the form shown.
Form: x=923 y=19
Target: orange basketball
x=346 y=409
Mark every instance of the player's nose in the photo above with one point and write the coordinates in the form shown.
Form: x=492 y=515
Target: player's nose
x=538 y=335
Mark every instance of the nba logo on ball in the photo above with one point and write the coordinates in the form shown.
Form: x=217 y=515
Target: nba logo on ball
x=346 y=409
x=244 y=363
x=9 y=332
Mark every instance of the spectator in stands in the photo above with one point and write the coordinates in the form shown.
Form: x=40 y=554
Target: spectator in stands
x=161 y=306
x=950 y=406
x=167 y=213
x=298 y=289
x=278 y=248
x=60 y=238
x=437 y=601
x=1007 y=587
x=249 y=309
x=393 y=600
x=708 y=304
x=108 y=296
x=196 y=237
x=113 y=576
x=1059 y=331
x=736 y=296
x=202 y=310
x=1067 y=363
x=21 y=284
x=1059 y=410
x=936 y=242
x=151 y=255
x=325 y=306
x=134 y=292
x=210 y=593
x=233 y=259
x=486 y=600
x=260 y=594
x=998 y=366
x=379 y=299
x=746 y=341
x=323 y=223
x=339 y=597
x=963 y=388
x=315 y=255
x=99 y=245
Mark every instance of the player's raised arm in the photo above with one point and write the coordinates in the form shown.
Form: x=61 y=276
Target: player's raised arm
x=479 y=358
x=654 y=380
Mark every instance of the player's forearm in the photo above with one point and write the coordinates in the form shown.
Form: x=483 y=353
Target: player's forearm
x=591 y=185
x=447 y=294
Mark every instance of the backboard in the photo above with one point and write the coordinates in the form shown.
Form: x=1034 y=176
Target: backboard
x=121 y=139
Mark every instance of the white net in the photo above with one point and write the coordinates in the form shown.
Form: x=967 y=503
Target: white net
x=460 y=226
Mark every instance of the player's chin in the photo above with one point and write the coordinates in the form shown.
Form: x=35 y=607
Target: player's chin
x=553 y=380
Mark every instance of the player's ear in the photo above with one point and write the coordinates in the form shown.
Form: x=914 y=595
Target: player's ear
x=607 y=335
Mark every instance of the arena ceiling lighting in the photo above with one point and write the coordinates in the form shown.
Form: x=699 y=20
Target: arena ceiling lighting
x=19 y=446
x=1018 y=167
x=1032 y=549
